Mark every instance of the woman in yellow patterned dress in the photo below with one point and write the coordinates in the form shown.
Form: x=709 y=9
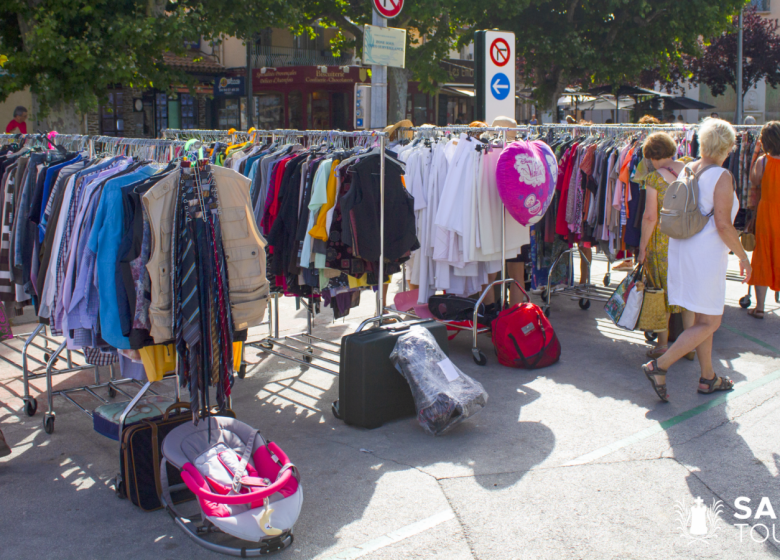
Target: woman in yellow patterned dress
x=659 y=149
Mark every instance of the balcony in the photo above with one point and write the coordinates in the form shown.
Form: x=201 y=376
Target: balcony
x=759 y=5
x=276 y=57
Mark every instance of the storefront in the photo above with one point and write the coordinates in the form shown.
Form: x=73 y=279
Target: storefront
x=305 y=97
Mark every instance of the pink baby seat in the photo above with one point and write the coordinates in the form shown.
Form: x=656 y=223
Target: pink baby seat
x=245 y=487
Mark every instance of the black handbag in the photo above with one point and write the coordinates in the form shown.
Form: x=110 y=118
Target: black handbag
x=448 y=307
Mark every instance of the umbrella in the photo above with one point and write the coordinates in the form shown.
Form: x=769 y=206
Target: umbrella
x=683 y=103
x=602 y=104
x=627 y=91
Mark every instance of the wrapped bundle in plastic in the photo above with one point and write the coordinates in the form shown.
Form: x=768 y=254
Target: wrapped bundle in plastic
x=443 y=394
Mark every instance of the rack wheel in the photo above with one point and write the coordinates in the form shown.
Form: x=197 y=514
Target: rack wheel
x=607 y=279
x=546 y=311
x=266 y=345
x=777 y=297
x=584 y=303
x=650 y=336
x=242 y=371
x=47 y=357
x=744 y=302
x=30 y=407
x=48 y=424
x=543 y=295
x=479 y=358
x=308 y=358
x=111 y=392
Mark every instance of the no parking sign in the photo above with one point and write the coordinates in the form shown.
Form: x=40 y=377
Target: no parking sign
x=495 y=74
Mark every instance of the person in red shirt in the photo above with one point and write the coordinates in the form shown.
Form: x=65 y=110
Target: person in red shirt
x=18 y=123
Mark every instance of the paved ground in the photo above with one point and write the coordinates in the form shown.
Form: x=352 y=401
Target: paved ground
x=577 y=461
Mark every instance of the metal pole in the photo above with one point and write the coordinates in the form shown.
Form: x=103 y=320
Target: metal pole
x=379 y=84
x=380 y=293
x=503 y=242
x=250 y=106
x=738 y=115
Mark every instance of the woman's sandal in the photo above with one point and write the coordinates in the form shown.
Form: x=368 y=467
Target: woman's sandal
x=660 y=388
x=655 y=353
x=756 y=314
x=725 y=384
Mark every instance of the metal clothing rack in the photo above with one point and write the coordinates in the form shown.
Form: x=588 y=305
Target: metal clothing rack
x=478 y=356
x=305 y=348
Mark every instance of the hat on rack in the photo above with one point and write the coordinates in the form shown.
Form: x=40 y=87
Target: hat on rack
x=406 y=123
x=506 y=122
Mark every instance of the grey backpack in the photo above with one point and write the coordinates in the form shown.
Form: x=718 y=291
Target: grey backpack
x=680 y=214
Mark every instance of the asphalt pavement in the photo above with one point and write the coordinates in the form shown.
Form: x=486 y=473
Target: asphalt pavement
x=576 y=461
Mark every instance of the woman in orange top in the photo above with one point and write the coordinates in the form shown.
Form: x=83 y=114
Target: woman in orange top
x=765 y=176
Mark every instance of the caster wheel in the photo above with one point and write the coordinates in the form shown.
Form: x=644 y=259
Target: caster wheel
x=543 y=295
x=242 y=371
x=30 y=407
x=120 y=490
x=48 y=424
x=546 y=311
x=307 y=358
x=744 y=302
x=650 y=336
x=777 y=297
x=47 y=357
x=606 y=280
x=111 y=392
x=584 y=303
x=479 y=358
x=266 y=345
x=334 y=408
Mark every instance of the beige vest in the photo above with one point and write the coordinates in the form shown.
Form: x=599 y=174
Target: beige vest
x=242 y=242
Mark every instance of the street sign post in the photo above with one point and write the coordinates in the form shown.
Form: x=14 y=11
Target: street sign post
x=495 y=74
x=388 y=8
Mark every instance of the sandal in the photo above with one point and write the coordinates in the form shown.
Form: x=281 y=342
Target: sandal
x=725 y=384
x=660 y=388
x=655 y=353
x=756 y=314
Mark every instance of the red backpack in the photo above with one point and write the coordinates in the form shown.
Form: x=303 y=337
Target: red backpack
x=524 y=337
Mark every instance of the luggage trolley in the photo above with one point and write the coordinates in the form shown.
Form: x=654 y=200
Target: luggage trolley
x=585 y=292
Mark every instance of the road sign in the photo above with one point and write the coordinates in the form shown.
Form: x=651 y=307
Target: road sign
x=388 y=8
x=494 y=74
x=499 y=52
x=499 y=86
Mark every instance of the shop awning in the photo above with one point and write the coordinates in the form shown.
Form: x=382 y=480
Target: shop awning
x=459 y=91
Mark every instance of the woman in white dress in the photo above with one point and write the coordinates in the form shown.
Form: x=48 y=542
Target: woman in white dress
x=697 y=265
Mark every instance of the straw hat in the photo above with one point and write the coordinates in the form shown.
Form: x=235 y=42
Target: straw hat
x=406 y=123
x=507 y=122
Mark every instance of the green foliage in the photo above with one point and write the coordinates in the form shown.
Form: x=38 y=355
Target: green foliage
x=73 y=51
x=562 y=42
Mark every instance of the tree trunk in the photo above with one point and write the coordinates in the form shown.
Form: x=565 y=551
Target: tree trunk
x=397 y=92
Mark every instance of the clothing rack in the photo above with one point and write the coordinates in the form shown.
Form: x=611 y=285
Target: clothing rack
x=300 y=348
x=502 y=133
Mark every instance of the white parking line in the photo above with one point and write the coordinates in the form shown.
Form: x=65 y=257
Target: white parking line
x=394 y=536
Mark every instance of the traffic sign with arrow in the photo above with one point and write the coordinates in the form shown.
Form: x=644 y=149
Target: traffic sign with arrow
x=495 y=74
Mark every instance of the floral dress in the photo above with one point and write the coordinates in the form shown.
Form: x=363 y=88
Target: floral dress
x=656 y=261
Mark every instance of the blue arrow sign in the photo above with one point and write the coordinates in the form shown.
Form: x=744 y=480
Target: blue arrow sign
x=499 y=86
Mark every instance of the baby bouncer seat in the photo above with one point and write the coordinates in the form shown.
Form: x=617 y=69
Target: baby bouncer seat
x=246 y=487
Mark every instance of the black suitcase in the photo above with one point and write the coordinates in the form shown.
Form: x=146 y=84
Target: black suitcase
x=371 y=390
x=140 y=456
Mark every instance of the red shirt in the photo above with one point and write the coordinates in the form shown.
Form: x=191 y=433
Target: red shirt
x=14 y=124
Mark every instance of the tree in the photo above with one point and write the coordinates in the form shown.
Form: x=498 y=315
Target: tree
x=560 y=42
x=717 y=67
x=433 y=27
x=70 y=51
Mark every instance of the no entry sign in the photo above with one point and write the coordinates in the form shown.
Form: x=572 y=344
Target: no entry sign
x=499 y=52
x=388 y=8
x=495 y=74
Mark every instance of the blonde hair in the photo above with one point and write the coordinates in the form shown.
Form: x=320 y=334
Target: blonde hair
x=716 y=138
